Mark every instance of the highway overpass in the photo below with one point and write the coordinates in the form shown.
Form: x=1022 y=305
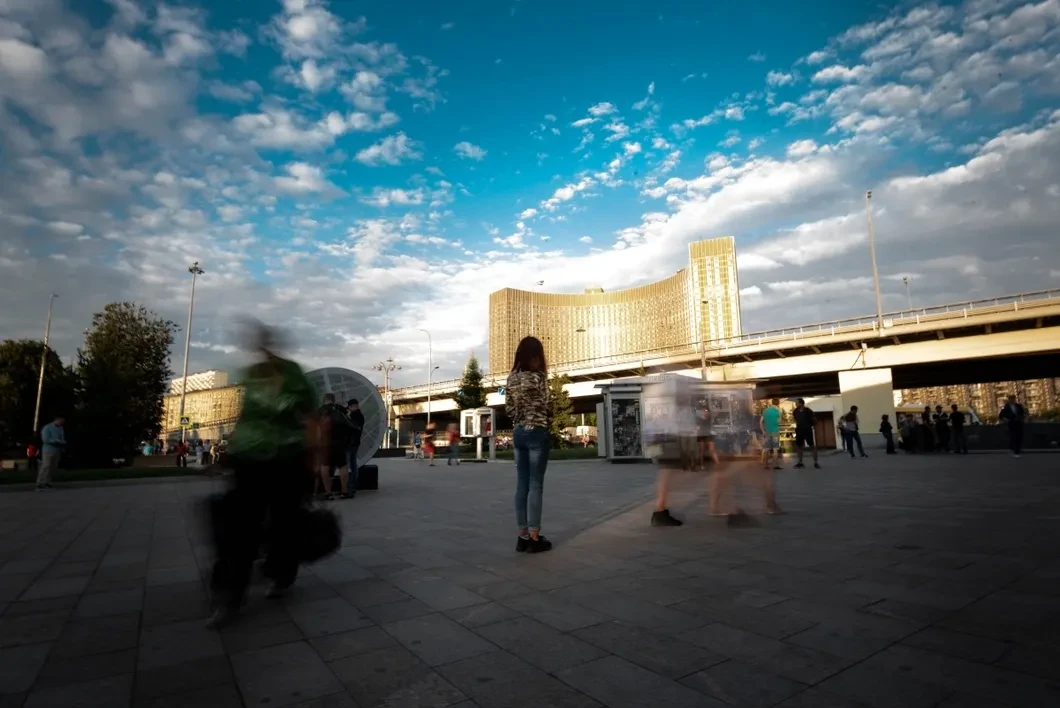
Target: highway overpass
x=993 y=339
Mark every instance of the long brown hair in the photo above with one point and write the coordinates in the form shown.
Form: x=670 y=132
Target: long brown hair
x=530 y=356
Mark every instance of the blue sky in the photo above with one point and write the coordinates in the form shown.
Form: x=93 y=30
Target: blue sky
x=358 y=171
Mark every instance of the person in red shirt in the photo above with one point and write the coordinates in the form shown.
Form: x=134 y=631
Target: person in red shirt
x=453 y=435
x=31 y=456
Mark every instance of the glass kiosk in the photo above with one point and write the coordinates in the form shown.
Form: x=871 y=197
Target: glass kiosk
x=632 y=406
x=480 y=423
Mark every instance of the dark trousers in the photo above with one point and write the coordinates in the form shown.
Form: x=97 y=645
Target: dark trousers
x=889 y=437
x=942 y=434
x=276 y=488
x=960 y=443
x=182 y=460
x=853 y=436
x=1015 y=437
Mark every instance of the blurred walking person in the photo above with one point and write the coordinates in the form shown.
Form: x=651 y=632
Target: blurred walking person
x=887 y=431
x=526 y=403
x=851 y=425
x=804 y=424
x=353 y=445
x=269 y=455
x=1013 y=413
x=453 y=435
x=960 y=442
x=942 y=429
x=428 y=442
x=769 y=424
x=335 y=432
x=53 y=444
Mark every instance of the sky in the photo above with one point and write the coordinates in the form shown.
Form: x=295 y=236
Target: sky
x=358 y=172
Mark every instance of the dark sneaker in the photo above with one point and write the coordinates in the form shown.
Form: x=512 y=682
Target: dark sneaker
x=799 y=466
x=778 y=467
x=864 y=455
x=221 y=617
x=347 y=495
x=817 y=465
x=522 y=544
x=329 y=496
x=663 y=518
x=539 y=545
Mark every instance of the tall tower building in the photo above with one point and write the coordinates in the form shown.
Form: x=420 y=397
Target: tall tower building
x=700 y=303
x=716 y=287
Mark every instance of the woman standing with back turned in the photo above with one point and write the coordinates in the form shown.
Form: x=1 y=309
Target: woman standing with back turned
x=526 y=402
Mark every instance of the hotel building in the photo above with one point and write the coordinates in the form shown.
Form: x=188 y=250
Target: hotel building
x=699 y=303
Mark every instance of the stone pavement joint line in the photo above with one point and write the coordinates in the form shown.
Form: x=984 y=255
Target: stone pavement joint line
x=917 y=582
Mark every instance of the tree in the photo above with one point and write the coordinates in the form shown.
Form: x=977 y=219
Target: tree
x=124 y=370
x=19 y=374
x=471 y=394
x=560 y=409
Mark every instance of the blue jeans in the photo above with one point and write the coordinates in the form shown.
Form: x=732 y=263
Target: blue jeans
x=531 y=459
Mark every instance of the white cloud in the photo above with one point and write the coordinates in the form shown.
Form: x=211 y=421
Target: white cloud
x=315 y=77
x=734 y=113
x=755 y=143
x=448 y=25
x=65 y=228
x=382 y=197
x=802 y=148
x=550 y=118
x=392 y=150
x=527 y=213
x=469 y=151
x=602 y=109
x=732 y=140
x=779 y=78
x=757 y=57
x=660 y=143
x=235 y=93
x=566 y=193
x=818 y=57
x=279 y=128
x=366 y=91
x=303 y=178
x=582 y=122
x=586 y=239
x=618 y=130
x=838 y=72
x=631 y=148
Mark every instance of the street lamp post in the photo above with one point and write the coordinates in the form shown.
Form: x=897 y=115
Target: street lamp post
x=387 y=367
x=43 y=363
x=908 y=297
x=872 y=253
x=430 y=372
x=195 y=271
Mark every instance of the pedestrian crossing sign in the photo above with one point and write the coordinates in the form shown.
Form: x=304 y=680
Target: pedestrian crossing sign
x=185 y=420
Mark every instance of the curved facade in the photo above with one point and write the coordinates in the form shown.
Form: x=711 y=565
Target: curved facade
x=346 y=384
x=700 y=302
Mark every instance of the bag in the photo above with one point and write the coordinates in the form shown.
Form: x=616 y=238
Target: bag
x=319 y=533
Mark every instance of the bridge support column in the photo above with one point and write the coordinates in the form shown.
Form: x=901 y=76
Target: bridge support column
x=872 y=391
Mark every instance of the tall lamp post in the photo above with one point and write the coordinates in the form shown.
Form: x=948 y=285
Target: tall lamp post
x=908 y=297
x=387 y=367
x=195 y=271
x=430 y=372
x=43 y=363
x=872 y=253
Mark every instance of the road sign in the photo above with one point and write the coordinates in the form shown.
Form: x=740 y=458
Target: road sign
x=185 y=420
x=194 y=426
x=500 y=391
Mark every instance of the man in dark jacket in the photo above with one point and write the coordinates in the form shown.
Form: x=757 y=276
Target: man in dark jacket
x=336 y=430
x=1013 y=413
x=960 y=443
x=356 y=418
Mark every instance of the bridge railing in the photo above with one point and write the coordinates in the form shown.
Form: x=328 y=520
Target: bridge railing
x=867 y=323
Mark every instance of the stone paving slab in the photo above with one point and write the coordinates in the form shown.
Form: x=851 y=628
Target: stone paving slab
x=905 y=582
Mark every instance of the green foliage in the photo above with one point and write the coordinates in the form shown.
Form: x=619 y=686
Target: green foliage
x=559 y=409
x=19 y=373
x=472 y=393
x=590 y=419
x=124 y=370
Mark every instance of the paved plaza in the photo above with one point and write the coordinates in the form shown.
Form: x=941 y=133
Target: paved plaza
x=902 y=582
